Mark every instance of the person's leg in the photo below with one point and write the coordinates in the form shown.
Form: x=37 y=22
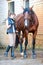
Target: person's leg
x=12 y=49
x=11 y=39
x=14 y=38
x=7 y=50
x=9 y=45
x=13 y=44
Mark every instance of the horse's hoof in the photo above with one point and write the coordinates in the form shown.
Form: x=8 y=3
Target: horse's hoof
x=13 y=57
x=21 y=53
x=33 y=53
x=25 y=56
x=33 y=56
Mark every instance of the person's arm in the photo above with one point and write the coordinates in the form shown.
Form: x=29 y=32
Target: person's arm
x=8 y=26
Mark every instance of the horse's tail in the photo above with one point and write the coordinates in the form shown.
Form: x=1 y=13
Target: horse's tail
x=17 y=41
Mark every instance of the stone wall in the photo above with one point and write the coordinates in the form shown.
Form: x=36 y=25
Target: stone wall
x=3 y=36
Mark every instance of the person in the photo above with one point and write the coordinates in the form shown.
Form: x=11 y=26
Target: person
x=12 y=35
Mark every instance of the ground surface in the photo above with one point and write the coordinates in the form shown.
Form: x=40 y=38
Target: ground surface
x=19 y=60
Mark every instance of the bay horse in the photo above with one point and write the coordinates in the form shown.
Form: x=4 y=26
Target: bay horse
x=27 y=22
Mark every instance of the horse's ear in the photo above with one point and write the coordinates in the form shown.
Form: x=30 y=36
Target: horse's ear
x=22 y=7
x=31 y=7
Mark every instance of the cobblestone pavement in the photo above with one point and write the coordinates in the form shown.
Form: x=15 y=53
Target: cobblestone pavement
x=20 y=60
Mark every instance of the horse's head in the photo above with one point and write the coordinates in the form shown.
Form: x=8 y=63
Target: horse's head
x=27 y=17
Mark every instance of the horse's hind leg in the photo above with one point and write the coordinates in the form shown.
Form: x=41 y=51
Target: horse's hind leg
x=33 y=43
x=17 y=41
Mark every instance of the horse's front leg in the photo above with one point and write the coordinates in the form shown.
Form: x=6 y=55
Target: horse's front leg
x=26 y=42
x=25 y=52
x=33 y=43
x=21 y=48
x=33 y=46
x=21 y=41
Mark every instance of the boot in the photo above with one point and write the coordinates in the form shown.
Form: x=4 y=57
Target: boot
x=7 y=50
x=12 y=51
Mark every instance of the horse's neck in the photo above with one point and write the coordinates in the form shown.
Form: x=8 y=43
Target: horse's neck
x=19 y=16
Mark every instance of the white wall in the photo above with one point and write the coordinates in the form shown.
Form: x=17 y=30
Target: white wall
x=3 y=10
x=18 y=8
